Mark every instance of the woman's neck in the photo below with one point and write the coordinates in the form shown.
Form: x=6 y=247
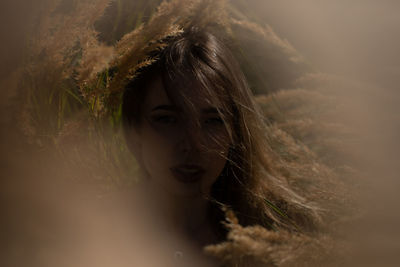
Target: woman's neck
x=181 y=214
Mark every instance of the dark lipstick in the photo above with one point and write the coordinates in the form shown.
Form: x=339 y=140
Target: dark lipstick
x=187 y=173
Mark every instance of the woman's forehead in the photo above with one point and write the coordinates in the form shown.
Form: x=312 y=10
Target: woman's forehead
x=184 y=99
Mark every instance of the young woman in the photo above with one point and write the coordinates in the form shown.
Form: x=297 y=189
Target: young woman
x=192 y=123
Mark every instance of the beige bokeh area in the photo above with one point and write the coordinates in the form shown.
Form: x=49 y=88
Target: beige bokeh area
x=355 y=41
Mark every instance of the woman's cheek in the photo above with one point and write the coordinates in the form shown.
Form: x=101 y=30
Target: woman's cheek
x=218 y=160
x=152 y=151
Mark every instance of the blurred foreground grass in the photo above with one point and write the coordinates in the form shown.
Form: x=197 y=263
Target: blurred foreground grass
x=73 y=38
x=57 y=113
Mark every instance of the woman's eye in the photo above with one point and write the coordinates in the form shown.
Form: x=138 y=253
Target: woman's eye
x=165 y=119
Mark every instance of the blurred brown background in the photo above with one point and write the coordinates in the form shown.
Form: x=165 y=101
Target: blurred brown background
x=359 y=39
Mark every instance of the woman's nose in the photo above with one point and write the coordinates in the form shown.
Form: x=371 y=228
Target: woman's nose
x=191 y=139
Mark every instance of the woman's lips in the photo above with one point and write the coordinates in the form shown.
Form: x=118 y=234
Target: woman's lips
x=187 y=173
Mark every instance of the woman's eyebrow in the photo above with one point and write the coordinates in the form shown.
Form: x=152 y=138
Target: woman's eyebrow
x=166 y=107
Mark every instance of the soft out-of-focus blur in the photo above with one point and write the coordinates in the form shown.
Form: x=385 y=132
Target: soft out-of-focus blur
x=356 y=40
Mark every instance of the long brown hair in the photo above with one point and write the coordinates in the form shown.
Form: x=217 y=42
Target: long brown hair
x=250 y=184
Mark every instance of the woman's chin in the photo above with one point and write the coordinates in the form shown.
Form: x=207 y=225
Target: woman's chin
x=186 y=187
x=190 y=190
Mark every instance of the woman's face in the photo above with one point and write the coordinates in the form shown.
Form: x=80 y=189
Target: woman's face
x=182 y=151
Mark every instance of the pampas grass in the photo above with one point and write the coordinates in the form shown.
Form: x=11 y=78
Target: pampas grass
x=257 y=246
x=48 y=92
x=69 y=101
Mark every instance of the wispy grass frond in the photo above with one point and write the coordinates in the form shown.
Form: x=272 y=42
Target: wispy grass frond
x=50 y=93
x=257 y=246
